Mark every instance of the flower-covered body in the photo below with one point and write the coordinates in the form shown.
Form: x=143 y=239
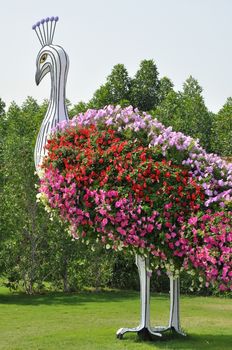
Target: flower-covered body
x=122 y=178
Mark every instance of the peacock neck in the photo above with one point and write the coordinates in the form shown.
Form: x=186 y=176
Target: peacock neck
x=57 y=110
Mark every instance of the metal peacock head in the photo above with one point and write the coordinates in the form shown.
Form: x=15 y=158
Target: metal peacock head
x=54 y=60
x=51 y=58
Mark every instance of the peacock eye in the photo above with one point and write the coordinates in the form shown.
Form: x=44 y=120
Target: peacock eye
x=43 y=58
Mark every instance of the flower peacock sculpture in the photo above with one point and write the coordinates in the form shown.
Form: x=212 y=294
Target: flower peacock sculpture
x=120 y=178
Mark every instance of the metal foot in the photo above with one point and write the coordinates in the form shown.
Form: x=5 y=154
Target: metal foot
x=143 y=332
x=162 y=329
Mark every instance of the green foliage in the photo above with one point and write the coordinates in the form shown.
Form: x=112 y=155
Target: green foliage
x=115 y=90
x=119 y=84
x=166 y=87
x=168 y=110
x=185 y=111
x=101 y=97
x=22 y=219
x=222 y=130
x=125 y=272
x=195 y=118
x=2 y=108
x=144 y=92
x=80 y=107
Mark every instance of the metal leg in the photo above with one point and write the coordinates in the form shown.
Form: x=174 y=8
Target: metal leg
x=144 y=329
x=174 y=319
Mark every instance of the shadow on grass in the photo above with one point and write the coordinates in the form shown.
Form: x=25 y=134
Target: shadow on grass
x=172 y=341
x=59 y=298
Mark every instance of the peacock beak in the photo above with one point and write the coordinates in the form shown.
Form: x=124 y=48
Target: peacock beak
x=41 y=72
x=37 y=77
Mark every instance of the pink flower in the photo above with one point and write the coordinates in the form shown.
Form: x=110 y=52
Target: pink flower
x=205 y=217
x=112 y=193
x=102 y=211
x=118 y=204
x=104 y=222
x=168 y=206
x=193 y=221
x=150 y=228
x=222 y=287
x=121 y=231
x=124 y=223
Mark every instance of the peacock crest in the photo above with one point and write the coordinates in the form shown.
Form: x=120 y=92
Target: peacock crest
x=45 y=30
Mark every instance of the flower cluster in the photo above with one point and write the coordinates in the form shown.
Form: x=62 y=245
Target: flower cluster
x=205 y=241
x=209 y=169
x=122 y=178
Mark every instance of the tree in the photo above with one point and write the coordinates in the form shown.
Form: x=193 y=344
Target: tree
x=196 y=120
x=145 y=86
x=142 y=91
x=168 y=110
x=2 y=107
x=80 y=107
x=22 y=218
x=119 y=84
x=114 y=91
x=185 y=111
x=166 y=87
x=101 y=97
x=2 y=179
x=222 y=130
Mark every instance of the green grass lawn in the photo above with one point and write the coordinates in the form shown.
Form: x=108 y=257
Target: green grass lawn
x=89 y=321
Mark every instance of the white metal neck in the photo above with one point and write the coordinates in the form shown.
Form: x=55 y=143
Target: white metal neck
x=57 y=110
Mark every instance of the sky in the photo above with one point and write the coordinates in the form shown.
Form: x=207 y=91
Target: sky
x=183 y=37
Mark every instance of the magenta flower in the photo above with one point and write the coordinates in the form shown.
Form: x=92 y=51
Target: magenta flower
x=193 y=221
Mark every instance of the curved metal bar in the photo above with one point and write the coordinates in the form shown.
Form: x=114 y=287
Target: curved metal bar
x=174 y=319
